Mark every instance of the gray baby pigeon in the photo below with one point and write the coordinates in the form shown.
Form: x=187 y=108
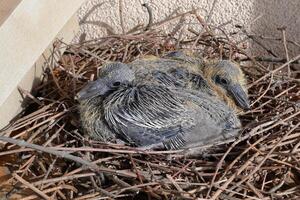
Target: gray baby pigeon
x=146 y=113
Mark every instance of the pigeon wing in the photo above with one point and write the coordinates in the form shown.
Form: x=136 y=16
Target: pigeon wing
x=146 y=115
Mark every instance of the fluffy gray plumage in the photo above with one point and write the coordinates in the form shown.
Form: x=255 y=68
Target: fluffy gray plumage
x=154 y=108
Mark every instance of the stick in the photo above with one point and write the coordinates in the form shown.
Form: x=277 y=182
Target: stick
x=275 y=70
x=36 y=190
x=285 y=48
x=65 y=155
x=150 y=14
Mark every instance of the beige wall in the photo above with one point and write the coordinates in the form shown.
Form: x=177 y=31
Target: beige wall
x=101 y=17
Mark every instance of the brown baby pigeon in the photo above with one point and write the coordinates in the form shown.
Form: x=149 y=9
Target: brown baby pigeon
x=221 y=78
x=172 y=102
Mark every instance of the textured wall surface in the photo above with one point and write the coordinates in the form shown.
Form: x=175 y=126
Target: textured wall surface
x=263 y=17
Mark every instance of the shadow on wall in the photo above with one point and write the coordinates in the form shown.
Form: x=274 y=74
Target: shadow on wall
x=100 y=17
x=277 y=14
x=84 y=20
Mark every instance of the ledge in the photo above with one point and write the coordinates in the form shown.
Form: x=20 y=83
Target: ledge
x=23 y=45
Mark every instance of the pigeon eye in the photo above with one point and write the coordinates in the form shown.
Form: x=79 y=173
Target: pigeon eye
x=221 y=80
x=116 y=84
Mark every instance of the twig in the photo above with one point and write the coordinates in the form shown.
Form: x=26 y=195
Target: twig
x=29 y=185
x=270 y=59
x=65 y=155
x=266 y=157
x=275 y=70
x=285 y=48
x=150 y=16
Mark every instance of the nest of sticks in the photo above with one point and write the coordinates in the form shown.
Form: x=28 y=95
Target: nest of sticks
x=49 y=157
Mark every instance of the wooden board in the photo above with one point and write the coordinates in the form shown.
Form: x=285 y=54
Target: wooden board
x=6 y=8
x=22 y=45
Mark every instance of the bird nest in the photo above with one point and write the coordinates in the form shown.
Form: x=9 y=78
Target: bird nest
x=48 y=156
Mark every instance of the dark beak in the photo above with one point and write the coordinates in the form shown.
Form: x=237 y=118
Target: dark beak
x=95 y=88
x=239 y=95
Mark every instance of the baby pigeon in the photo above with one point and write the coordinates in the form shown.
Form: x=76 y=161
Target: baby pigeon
x=146 y=113
x=221 y=78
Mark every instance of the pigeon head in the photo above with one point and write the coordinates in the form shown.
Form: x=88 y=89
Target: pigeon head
x=112 y=76
x=228 y=81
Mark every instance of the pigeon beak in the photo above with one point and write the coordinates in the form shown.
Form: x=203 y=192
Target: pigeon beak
x=240 y=96
x=95 y=88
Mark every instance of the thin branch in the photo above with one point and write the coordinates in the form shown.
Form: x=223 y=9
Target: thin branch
x=150 y=16
x=65 y=155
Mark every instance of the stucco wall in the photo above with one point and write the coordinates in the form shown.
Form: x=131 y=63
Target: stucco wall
x=99 y=17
